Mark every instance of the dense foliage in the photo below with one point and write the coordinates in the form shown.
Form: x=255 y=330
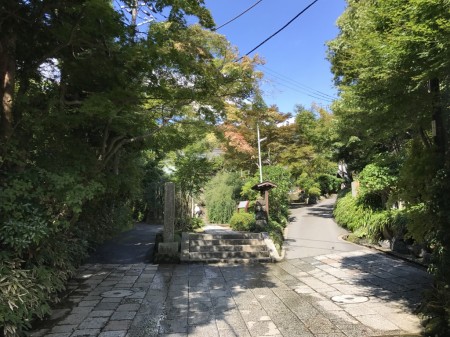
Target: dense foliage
x=243 y=222
x=88 y=110
x=278 y=197
x=222 y=194
x=306 y=148
x=391 y=63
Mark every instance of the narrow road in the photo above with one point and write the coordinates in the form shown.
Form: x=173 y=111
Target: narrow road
x=133 y=246
x=312 y=232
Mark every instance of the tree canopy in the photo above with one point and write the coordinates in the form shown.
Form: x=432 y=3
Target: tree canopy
x=87 y=108
x=391 y=65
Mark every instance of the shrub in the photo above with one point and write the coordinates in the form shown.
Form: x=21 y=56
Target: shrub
x=346 y=212
x=221 y=196
x=242 y=222
x=329 y=183
x=376 y=184
x=364 y=221
x=278 y=197
x=314 y=192
x=276 y=233
x=188 y=224
x=305 y=181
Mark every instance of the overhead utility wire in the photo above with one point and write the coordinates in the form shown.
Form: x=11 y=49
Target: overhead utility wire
x=297 y=84
x=279 y=30
x=300 y=90
x=236 y=17
x=305 y=93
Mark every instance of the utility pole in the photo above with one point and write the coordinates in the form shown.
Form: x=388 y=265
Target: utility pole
x=259 y=153
x=134 y=12
x=137 y=8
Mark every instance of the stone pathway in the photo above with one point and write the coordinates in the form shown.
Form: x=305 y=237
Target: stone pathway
x=347 y=294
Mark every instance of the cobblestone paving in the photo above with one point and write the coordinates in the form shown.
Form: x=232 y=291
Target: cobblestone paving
x=291 y=298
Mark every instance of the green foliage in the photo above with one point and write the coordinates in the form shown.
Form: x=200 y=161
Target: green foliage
x=192 y=168
x=20 y=296
x=276 y=233
x=418 y=169
x=149 y=205
x=222 y=196
x=278 y=197
x=376 y=184
x=385 y=59
x=364 y=221
x=306 y=182
x=347 y=212
x=89 y=98
x=188 y=224
x=314 y=192
x=26 y=231
x=243 y=222
x=329 y=183
x=437 y=306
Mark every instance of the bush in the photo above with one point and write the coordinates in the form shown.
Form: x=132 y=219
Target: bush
x=313 y=195
x=364 y=221
x=243 y=222
x=278 y=197
x=276 y=233
x=376 y=184
x=221 y=196
x=188 y=224
x=47 y=221
x=314 y=192
x=329 y=183
x=351 y=215
x=305 y=181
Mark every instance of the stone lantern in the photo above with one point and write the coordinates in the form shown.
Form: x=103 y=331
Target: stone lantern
x=262 y=204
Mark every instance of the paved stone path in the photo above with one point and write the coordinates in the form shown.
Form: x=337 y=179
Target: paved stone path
x=291 y=298
x=353 y=293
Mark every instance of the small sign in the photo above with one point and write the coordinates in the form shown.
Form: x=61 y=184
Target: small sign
x=243 y=204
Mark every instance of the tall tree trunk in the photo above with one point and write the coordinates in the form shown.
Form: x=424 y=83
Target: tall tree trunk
x=7 y=78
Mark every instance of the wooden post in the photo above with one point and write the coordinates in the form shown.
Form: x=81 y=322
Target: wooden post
x=266 y=201
x=169 y=212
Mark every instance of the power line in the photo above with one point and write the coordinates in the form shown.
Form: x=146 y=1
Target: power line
x=279 y=30
x=305 y=93
x=298 y=84
x=236 y=17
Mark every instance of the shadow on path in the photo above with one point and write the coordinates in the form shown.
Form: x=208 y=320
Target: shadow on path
x=323 y=211
x=387 y=278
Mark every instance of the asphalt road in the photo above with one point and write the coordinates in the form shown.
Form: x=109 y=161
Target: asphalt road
x=133 y=246
x=312 y=231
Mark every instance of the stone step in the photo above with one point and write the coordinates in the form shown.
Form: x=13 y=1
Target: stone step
x=199 y=256
x=224 y=242
x=196 y=247
x=228 y=236
x=233 y=247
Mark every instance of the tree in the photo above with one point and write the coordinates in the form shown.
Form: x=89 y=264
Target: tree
x=383 y=59
x=391 y=62
x=83 y=100
x=240 y=133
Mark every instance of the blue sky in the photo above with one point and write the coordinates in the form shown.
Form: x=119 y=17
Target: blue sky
x=296 y=67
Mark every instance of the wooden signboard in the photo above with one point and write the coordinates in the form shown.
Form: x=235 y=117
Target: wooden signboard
x=243 y=204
